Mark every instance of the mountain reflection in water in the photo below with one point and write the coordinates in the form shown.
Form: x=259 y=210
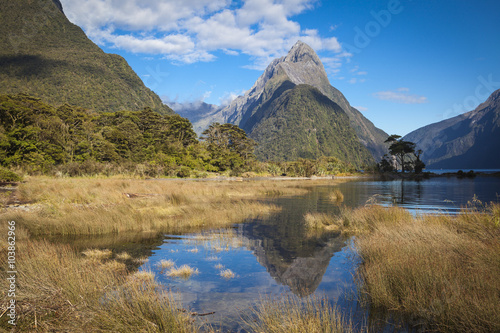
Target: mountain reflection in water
x=293 y=255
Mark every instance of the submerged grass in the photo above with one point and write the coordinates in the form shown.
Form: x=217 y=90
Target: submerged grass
x=336 y=196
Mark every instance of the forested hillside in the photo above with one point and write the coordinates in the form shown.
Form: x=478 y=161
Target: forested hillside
x=38 y=138
x=303 y=123
x=44 y=55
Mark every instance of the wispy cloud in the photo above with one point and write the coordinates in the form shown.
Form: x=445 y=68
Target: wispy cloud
x=190 y=31
x=400 y=95
x=361 y=108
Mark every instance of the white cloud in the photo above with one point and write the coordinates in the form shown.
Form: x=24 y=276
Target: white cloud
x=361 y=108
x=228 y=97
x=192 y=30
x=400 y=95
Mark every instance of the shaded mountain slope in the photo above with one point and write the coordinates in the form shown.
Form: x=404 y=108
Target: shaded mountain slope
x=470 y=140
x=44 y=55
x=298 y=121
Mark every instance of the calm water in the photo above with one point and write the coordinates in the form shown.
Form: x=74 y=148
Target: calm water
x=276 y=255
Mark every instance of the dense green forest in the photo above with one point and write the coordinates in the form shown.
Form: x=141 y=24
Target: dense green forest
x=37 y=138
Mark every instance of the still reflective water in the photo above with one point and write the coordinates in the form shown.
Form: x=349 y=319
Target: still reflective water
x=277 y=255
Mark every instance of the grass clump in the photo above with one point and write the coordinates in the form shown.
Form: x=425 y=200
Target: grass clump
x=60 y=290
x=336 y=196
x=320 y=222
x=290 y=314
x=183 y=272
x=165 y=264
x=123 y=256
x=227 y=274
x=97 y=254
x=440 y=269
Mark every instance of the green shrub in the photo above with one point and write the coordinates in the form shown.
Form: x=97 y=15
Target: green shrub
x=9 y=176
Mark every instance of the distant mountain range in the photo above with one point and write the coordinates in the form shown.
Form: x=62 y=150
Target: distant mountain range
x=293 y=111
x=468 y=141
x=44 y=55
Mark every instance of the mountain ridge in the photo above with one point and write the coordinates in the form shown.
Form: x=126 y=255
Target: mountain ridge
x=46 y=56
x=470 y=140
x=300 y=66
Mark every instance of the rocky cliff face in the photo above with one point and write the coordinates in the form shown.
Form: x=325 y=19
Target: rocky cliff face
x=470 y=140
x=301 y=66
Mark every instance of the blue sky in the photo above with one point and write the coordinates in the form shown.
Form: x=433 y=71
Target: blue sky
x=403 y=63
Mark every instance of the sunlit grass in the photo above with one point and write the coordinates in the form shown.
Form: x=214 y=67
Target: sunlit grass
x=165 y=264
x=97 y=254
x=60 y=290
x=291 y=314
x=441 y=269
x=227 y=274
x=123 y=256
x=184 y=272
x=93 y=206
x=143 y=276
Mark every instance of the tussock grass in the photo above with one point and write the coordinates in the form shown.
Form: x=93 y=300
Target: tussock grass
x=97 y=254
x=356 y=221
x=227 y=274
x=440 y=269
x=290 y=314
x=143 y=276
x=184 y=272
x=123 y=256
x=60 y=290
x=92 y=206
x=336 y=196
x=165 y=264
x=320 y=221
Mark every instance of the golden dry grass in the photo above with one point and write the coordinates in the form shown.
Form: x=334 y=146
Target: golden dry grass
x=61 y=290
x=97 y=254
x=441 y=269
x=164 y=264
x=336 y=196
x=356 y=221
x=123 y=256
x=290 y=314
x=92 y=206
x=227 y=274
x=183 y=272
